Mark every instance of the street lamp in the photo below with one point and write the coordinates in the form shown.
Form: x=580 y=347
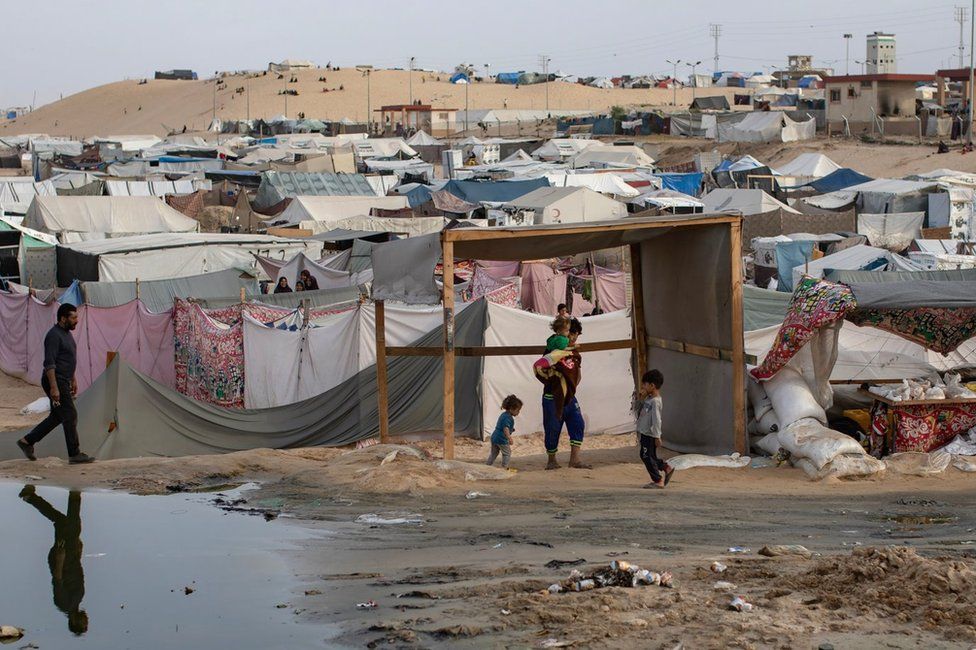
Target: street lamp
x=847 y=55
x=467 y=75
x=861 y=63
x=410 y=78
x=694 y=79
x=674 y=88
x=365 y=70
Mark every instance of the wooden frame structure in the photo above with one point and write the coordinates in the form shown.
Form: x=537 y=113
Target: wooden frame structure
x=561 y=240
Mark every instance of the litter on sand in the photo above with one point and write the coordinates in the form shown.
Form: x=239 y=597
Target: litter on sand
x=722 y=585
x=739 y=549
x=739 y=604
x=475 y=495
x=785 y=549
x=378 y=520
x=369 y=604
x=617 y=574
x=717 y=567
x=10 y=632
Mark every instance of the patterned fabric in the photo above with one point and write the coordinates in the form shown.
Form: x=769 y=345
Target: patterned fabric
x=508 y=295
x=815 y=304
x=560 y=373
x=189 y=204
x=941 y=329
x=209 y=357
x=917 y=427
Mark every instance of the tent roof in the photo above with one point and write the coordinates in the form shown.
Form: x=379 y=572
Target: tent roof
x=838 y=180
x=628 y=155
x=326 y=208
x=422 y=138
x=717 y=102
x=106 y=214
x=546 y=196
x=607 y=183
x=493 y=191
x=278 y=185
x=816 y=165
x=669 y=199
x=853 y=258
x=746 y=201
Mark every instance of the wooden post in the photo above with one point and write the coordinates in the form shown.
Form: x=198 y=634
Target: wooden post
x=137 y=288
x=738 y=341
x=637 y=312
x=448 y=256
x=596 y=298
x=382 y=389
x=110 y=357
x=243 y=297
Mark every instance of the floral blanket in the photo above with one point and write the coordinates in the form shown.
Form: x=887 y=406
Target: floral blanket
x=941 y=329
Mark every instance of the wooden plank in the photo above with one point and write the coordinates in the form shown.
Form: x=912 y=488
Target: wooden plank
x=293 y=233
x=399 y=351
x=637 y=312
x=738 y=341
x=448 y=265
x=383 y=396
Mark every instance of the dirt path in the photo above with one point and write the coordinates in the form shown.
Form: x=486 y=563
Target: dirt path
x=466 y=562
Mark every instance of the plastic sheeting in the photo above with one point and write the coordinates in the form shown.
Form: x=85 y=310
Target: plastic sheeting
x=83 y=216
x=404 y=270
x=606 y=388
x=543 y=288
x=893 y=232
x=326 y=277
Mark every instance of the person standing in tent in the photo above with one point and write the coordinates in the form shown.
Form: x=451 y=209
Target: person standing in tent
x=282 y=286
x=311 y=284
x=560 y=378
x=58 y=381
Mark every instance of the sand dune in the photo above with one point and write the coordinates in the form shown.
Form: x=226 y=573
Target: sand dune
x=126 y=107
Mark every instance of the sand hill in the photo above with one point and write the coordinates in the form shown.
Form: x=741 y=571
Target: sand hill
x=128 y=107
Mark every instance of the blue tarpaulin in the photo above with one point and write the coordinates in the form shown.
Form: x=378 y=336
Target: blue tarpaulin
x=789 y=255
x=418 y=196
x=507 y=77
x=459 y=77
x=838 y=180
x=493 y=191
x=689 y=184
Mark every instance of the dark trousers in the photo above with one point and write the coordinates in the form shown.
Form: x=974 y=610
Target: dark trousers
x=64 y=414
x=648 y=454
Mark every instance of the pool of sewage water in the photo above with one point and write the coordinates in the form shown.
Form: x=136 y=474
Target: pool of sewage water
x=100 y=569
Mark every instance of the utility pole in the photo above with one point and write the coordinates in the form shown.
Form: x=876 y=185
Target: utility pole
x=715 y=31
x=972 y=37
x=467 y=72
x=214 y=116
x=694 y=79
x=249 y=98
x=847 y=55
x=365 y=70
x=674 y=80
x=544 y=60
x=961 y=19
x=410 y=78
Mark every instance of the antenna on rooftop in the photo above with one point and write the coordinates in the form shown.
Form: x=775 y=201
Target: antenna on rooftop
x=715 y=31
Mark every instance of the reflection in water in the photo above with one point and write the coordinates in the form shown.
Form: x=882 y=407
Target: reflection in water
x=64 y=558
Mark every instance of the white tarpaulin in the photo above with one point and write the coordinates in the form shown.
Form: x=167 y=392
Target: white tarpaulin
x=404 y=226
x=286 y=366
x=607 y=183
x=16 y=195
x=327 y=278
x=850 y=259
x=404 y=325
x=742 y=200
x=75 y=218
x=604 y=155
x=605 y=390
x=330 y=209
x=808 y=166
x=423 y=139
x=894 y=231
x=767 y=126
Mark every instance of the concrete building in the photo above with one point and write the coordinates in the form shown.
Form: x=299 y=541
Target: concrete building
x=799 y=66
x=417 y=117
x=880 y=57
x=863 y=98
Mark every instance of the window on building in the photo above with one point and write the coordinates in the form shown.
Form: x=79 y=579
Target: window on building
x=865 y=84
x=442 y=116
x=851 y=92
x=835 y=95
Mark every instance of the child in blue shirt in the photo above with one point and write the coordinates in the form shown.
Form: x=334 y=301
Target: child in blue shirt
x=501 y=437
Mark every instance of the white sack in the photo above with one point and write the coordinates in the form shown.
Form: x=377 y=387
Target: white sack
x=758 y=398
x=792 y=398
x=964 y=463
x=687 y=461
x=916 y=463
x=769 y=444
x=843 y=466
x=810 y=439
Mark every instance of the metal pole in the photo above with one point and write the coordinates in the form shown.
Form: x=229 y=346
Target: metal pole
x=546 y=72
x=847 y=54
x=466 y=104
x=369 y=105
x=249 y=99
x=410 y=80
x=214 y=117
x=972 y=37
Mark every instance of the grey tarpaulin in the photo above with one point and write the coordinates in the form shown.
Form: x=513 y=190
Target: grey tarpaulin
x=403 y=270
x=847 y=277
x=917 y=293
x=157 y=295
x=763 y=308
x=361 y=257
x=153 y=420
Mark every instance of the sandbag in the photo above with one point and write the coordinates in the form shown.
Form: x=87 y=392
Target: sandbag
x=687 y=461
x=768 y=424
x=843 y=466
x=917 y=463
x=810 y=439
x=769 y=444
x=964 y=463
x=758 y=398
x=792 y=398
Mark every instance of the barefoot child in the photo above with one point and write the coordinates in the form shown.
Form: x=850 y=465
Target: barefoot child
x=501 y=437
x=649 y=429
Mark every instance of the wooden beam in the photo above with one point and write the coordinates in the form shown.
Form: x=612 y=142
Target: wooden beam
x=383 y=396
x=637 y=313
x=738 y=341
x=706 y=351
x=448 y=281
x=505 y=350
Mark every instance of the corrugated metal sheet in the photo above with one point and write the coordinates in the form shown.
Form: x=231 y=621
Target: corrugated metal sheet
x=276 y=186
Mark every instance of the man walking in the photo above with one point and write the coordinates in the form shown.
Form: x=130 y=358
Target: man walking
x=59 y=383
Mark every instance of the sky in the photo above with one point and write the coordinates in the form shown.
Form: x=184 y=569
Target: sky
x=65 y=46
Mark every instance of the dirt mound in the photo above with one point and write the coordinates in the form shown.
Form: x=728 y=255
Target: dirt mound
x=936 y=594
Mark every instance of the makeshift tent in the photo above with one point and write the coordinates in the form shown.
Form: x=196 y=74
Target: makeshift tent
x=855 y=258
x=79 y=218
x=158 y=295
x=838 y=180
x=893 y=232
x=716 y=103
x=328 y=209
x=747 y=202
x=612 y=156
x=808 y=166
x=154 y=188
x=171 y=255
x=493 y=192
x=16 y=195
x=568 y=205
x=277 y=186
x=604 y=183
x=767 y=126
x=881 y=195
x=422 y=138
x=744 y=163
x=563 y=148
x=762 y=308
x=327 y=278
x=669 y=200
x=689 y=184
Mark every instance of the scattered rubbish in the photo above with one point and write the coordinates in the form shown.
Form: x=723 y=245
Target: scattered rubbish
x=739 y=549
x=554 y=643
x=499 y=545
x=825 y=646
x=419 y=594
x=10 y=632
x=722 y=585
x=31 y=477
x=558 y=564
x=312 y=592
x=281 y=605
x=717 y=567
x=474 y=495
x=377 y=520
x=369 y=604
x=688 y=461
x=785 y=549
x=762 y=463
x=188 y=590
x=40 y=405
x=739 y=604
x=617 y=553
x=616 y=574
x=506 y=612
x=390 y=457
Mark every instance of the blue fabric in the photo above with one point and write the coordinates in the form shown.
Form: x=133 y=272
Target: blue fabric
x=418 y=196
x=459 y=76
x=723 y=166
x=493 y=192
x=553 y=426
x=72 y=295
x=689 y=184
x=789 y=255
x=507 y=77
x=838 y=180
x=498 y=435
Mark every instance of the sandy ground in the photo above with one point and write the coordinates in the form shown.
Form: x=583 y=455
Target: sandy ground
x=892 y=567
x=157 y=107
